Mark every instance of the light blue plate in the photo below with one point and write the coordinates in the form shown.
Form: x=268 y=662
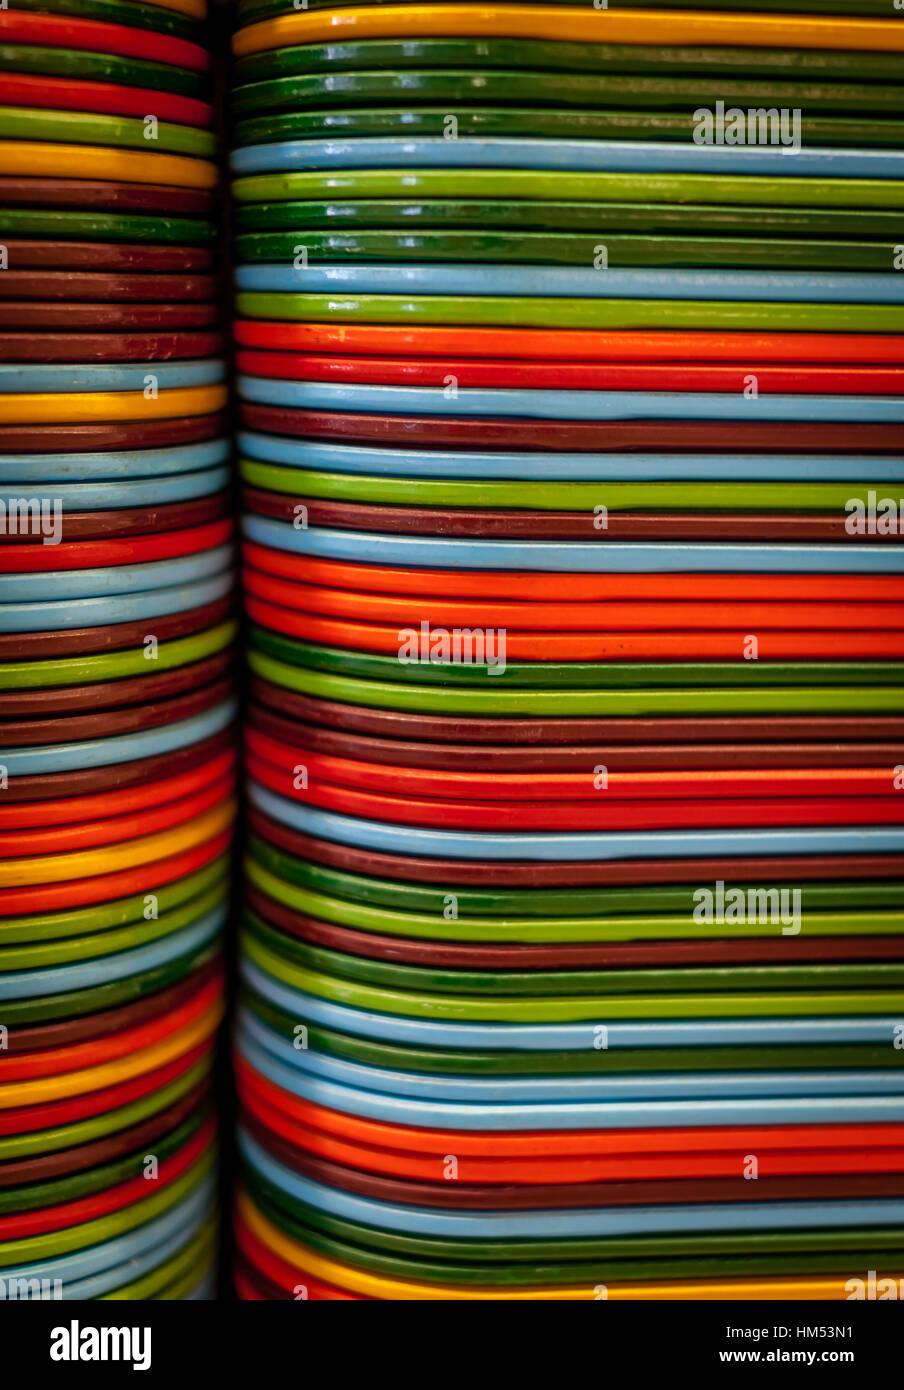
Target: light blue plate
x=574 y=156
x=205 y=371
x=545 y=465
x=574 y=282
x=567 y=405
x=110 y=752
x=579 y=847
x=637 y=557
x=113 y=580
x=128 y=463
x=99 y=612
x=445 y=1115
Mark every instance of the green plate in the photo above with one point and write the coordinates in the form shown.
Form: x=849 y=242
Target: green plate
x=528 y=215
x=536 y=930
x=544 y=249
x=374 y=84
x=76 y=1003
x=584 y=1262
x=105 y=917
x=178 y=1276
x=450 y=700
x=710 y=315
x=135 y=14
x=94 y=947
x=82 y=670
x=583 y=1008
x=76 y=1185
x=101 y=226
x=551 y=496
x=535 y=121
x=85 y=128
x=538 y=902
x=396 y=55
x=562 y=983
x=36 y=1142
x=100 y=67
x=52 y=1244
x=731 y=189
x=588 y=1061
x=633 y=678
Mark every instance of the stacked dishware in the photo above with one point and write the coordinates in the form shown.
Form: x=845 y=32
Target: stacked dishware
x=117 y=777
x=570 y=434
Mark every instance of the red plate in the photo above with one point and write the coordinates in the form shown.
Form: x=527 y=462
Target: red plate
x=74 y=555
x=574 y=376
x=98 y=36
x=569 y=344
x=106 y=98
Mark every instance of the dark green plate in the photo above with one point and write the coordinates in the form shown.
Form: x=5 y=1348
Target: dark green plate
x=527 y=215
x=545 y=249
x=137 y=15
x=395 y=55
x=90 y=226
x=492 y=85
x=100 y=67
x=546 y=675
x=535 y=902
x=557 y=983
x=83 y=1184
x=821 y=695
x=569 y=125
x=586 y=1261
x=587 y=1061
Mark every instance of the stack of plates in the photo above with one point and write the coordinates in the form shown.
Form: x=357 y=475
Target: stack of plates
x=573 y=957
x=116 y=759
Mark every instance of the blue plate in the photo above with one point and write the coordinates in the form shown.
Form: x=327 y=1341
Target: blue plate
x=688 y=1086
x=573 y=1223
x=567 y=405
x=579 y=847
x=101 y=612
x=454 y=463
x=205 y=371
x=445 y=1115
x=129 y=463
x=127 y=1257
x=554 y=1037
x=32 y=984
x=113 y=580
x=102 y=497
x=573 y=156
x=110 y=752
x=427 y=552
x=573 y=282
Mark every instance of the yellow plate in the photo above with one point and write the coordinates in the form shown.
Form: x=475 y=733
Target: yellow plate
x=584 y=25
x=68 y=407
x=40 y=160
x=59 y=868
x=348 y=1277
x=75 y=1083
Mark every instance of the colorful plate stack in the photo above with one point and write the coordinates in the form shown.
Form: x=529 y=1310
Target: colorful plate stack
x=116 y=760
x=571 y=402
